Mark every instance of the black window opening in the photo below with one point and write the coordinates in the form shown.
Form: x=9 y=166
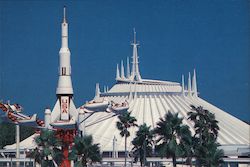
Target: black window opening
x=63 y=70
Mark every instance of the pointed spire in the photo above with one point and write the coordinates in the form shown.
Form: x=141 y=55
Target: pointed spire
x=183 y=85
x=122 y=70
x=107 y=88
x=97 y=90
x=135 y=74
x=189 y=84
x=104 y=89
x=194 y=85
x=134 y=36
x=64 y=14
x=117 y=72
x=128 y=68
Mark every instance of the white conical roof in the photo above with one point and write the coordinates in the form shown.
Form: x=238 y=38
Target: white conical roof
x=151 y=103
x=151 y=99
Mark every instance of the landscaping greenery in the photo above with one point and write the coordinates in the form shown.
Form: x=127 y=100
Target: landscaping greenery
x=48 y=151
x=125 y=122
x=171 y=136
x=174 y=139
x=143 y=143
x=206 y=132
x=84 y=151
x=8 y=133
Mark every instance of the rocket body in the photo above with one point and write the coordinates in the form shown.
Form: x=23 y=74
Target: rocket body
x=64 y=82
x=64 y=108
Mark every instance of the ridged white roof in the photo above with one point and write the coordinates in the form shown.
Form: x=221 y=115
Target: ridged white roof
x=151 y=99
x=144 y=88
x=149 y=104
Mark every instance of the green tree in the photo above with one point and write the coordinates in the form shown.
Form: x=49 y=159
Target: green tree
x=8 y=133
x=84 y=151
x=125 y=122
x=170 y=136
x=48 y=151
x=142 y=144
x=206 y=132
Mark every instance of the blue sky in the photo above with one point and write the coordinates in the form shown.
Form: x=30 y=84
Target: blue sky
x=176 y=36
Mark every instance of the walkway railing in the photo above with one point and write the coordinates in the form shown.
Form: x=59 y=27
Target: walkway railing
x=14 y=162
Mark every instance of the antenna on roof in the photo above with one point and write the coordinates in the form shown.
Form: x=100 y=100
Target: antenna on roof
x=64 y=14
x=135 y=74
x=134 y=36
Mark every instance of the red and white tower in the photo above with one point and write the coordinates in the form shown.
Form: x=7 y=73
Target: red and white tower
x=64 y=115
x=64 y=109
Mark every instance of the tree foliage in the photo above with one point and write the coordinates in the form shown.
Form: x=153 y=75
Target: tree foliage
x=125 y=122
x=8 y=133
x=84 y=151
x=172 y=137
x=143 y=143
x=48 y=151
x=206 y=132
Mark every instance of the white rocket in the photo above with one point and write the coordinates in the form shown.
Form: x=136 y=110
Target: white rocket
x=64 y=83
x=64 y=109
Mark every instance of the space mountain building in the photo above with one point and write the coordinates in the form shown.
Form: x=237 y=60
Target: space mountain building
x=148 y=100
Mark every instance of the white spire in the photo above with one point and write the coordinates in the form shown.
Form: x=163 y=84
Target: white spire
x=135 y=74
x=194 y=84
x=64 y=82
x=117 y=72
x=104 y=89
x=189 y=84
x=97 y=90
x=122 y=70
x=128 y=68
x=64 y=14
x=183 y=85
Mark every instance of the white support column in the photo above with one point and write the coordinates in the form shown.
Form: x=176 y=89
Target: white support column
x=81 y=122
x=17 y=143
x=114 y=153
x=47 y=118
